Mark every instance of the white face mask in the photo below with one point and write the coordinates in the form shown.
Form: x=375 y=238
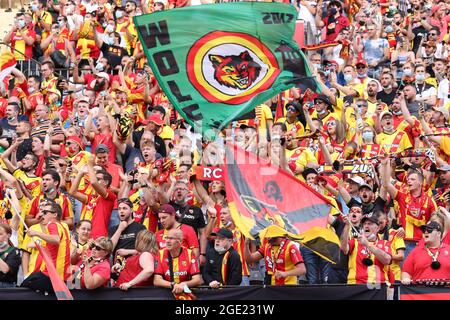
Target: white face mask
x=3 y=244
x=372 y=237
x=321 y=112
x=30 y=90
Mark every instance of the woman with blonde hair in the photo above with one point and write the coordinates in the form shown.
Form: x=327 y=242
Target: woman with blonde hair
x=94 y=270
x=138 y=269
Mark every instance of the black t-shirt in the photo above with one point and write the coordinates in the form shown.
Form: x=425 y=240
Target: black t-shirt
x=387 y=98
x=128 y=237
x=190 y=215
x=419 y=33
x=12 y=259
x=113 y=53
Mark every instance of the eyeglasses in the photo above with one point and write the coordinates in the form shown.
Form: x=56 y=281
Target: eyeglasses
x=361 y=67
x=291 y=109
x=428 y=230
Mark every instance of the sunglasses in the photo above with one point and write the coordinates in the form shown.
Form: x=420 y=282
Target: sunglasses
x=433 y=34
x=428 y=230
x=97 y=247
x=361 y=67
x=361 y=105
x=45 y=212
x=292 y=109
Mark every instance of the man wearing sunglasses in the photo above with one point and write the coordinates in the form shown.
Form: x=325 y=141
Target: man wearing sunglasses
x=430 y=260
x=57 y=240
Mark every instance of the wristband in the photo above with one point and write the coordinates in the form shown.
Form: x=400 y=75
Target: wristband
x=203 y=254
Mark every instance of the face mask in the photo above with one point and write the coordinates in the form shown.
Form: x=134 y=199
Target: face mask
x=420 y=77
x=362 y=75
x=61 y=24
x=348 y=77
x=397 y=113
x=387 y=87
x=367 y=136
x=99 y=66
x=119 y=14
x=109 y=28
x=389 y=29
x=34 y=7
x=21 y=24
x=138 y=13
x=333 y=11
x=219 y=249
x=392 y=9
x=321 y=112
x=69 y=10
x=109 y=41
x=407 y=72
x=3 y=244
x=51 y=190
x=317 y=66
x=11 y=118
x=327 y=72
x=30 y=90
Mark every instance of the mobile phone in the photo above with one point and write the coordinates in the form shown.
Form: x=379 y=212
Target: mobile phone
x=348 y=99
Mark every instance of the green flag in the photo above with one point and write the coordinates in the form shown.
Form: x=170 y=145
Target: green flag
x=216 y=62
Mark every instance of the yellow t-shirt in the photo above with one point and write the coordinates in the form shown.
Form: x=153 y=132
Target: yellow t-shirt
x=33 y=184
x=296 y=128
x=36 y=262
x=395 y=142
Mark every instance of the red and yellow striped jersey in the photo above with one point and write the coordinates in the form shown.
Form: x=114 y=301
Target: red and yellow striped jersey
x=239 y=246
x=359 y=273
x=284 y=257
x=184 y=266
x=59 y=253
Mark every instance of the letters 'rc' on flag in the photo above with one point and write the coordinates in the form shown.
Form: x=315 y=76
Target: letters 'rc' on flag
x=261 y=195
x=217 y=62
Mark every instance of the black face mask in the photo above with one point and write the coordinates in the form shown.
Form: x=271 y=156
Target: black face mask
x=361 y=23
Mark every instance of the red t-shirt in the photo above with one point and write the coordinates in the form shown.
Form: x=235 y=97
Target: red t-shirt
x=105 y=139
x=359 y=273
x=102 y=214
x=190 y=239
x=103 y=269
x=333 y=28
x=184 y=266
x=418 y=263
x=132 y=269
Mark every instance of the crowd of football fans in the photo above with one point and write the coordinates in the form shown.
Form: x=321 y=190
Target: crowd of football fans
x=98 y=168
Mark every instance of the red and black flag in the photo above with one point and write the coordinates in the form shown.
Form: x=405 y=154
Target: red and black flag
x=261 y=195
x=425 y=292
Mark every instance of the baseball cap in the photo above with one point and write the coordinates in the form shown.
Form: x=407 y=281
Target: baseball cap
x=101 y=148
x=444 y=111
x=160 y=109
x=371 y=217
x=382 y=114
x=432 y=225
x=357 y=179
x=445 y=167
x=308 y=171
x=166 y=208
x=76 y=140
x=365 y=185
x=361 y=61
x=323 y=98
x=103 y=75
x=225 y=233
x=156 y=119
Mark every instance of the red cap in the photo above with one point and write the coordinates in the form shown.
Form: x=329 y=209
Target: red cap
x=361 y=61
x=331 y=180
x=153 y=118
x=77 y=140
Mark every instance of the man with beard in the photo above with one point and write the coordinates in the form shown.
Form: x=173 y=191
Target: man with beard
x=189 y=214
x=444 y=179
x=50 y=190
x=101 y=82
x=25 y=173
x=223 y=264
x=388 y=93
x=124 y=234
x=284 y=263
x=392 y=140
x=23 y=131
x=293 y=125
x=410 y=93
x=167 y=218
x=373 y=87
x=369 y=257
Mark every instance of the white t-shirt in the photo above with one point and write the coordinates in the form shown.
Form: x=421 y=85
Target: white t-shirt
x=444 y=91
